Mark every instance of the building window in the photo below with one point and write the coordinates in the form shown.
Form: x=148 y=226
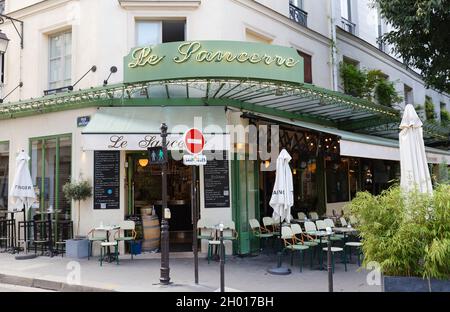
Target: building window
x=346 y=16
x=60 y=60
x=307 y=61
x=297 y=12
x=155 y=32
x=4 y=173
x=51 y=163
x=408 y=94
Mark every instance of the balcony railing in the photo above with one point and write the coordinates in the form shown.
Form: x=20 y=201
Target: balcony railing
x=298 y=15
x=348 y=25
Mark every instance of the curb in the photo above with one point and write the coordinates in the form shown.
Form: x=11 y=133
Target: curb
x=48 y=285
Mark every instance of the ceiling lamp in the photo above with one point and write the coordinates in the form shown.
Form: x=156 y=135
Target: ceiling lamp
x=143 y=162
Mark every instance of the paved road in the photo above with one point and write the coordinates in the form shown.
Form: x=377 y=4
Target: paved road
x=15 y=288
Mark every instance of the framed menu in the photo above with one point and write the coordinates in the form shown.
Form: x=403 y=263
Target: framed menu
x=217 y=186
x=106 y=179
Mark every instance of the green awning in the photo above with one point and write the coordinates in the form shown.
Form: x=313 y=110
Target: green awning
x=137 y=128
x=146 y=120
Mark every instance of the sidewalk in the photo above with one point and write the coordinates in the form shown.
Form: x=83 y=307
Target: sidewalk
x=142 y=274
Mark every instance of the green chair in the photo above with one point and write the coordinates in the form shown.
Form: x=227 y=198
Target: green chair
x=95 y=236
x=270 y=225
x=301 y=216
x=333 y=251
x=292 y=245
x=304 y=239
x=310 y=228
x=104 y=252
x=314 y=215
x=229 y=231
x=123 y=234
x=330 y=223
x=348 y=246
x=259 y=231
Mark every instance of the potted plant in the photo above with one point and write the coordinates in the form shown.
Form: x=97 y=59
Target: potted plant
x=77 y=191
x=408 y=235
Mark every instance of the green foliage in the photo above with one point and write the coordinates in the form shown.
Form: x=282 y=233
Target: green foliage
x=445 y=118
x=429 y=109
x=407 y=234
x=368 y=84
x=443 y=173
x=420 y=35
x=354 y=79
x=385 y=93
x=373 y=77
x=77 y=191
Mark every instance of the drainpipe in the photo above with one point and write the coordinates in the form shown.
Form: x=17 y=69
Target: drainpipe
x=334 y=65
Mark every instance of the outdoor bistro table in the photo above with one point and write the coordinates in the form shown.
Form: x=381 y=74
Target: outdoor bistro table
x=320 y=234
x=50 y=230
x=345 y=230
x=107 y=229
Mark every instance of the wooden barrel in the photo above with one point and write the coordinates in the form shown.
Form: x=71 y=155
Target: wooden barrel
x=152 y=231
x=147 y=211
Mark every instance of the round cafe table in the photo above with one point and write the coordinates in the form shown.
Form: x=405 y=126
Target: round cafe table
x=108 y=228
x=320 y=234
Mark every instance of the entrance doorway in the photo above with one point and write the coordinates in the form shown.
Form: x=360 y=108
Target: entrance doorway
x=145 y=191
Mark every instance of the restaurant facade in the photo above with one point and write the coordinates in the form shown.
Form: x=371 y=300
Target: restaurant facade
x=250 y=100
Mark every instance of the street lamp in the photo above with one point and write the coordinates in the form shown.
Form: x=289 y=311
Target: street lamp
x=165 y=269
x=4 y=41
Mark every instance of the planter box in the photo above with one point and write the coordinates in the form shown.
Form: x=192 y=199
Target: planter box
x=414 y=284
x=77 y=248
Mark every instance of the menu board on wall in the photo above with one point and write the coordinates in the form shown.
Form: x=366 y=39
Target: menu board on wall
x=106 y=179
x=217 y=186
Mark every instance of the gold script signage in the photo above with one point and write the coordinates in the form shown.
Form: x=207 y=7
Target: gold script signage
x=193 y=51
x=213 y=59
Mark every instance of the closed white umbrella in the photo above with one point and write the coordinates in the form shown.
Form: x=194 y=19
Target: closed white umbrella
x=283 y=191
x=22 y=192
x=282 y=200
x=413 y=161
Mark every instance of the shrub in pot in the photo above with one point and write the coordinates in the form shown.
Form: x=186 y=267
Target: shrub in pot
x=77 y=191
x=408 y=235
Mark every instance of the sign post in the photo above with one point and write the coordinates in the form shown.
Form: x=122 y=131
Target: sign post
x=194 y=142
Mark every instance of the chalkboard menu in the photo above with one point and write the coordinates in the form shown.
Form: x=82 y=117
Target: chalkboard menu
x=106 y=179
x=217 y=187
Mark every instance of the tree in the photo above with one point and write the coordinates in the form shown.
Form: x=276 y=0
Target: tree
x=421 y=36
x=77 y=191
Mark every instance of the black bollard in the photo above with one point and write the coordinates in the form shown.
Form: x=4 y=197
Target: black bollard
x=222 y=260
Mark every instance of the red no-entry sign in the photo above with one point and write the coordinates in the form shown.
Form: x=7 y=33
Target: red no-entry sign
x=194 y=141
